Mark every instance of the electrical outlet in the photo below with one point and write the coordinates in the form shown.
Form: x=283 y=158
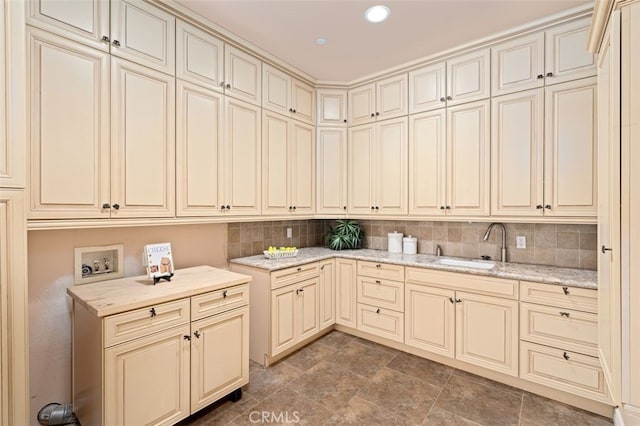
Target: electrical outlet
x=521 y=242
x=289 y=233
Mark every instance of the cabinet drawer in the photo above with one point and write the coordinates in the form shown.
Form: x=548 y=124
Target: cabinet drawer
x=566 y=329
x=580 y=299
x=144 y=321
x=578 y=374
x=381 y=322
x=381 y=270
x=381 y=293
x=293 y=275
x=472 y=283
x=219 y=301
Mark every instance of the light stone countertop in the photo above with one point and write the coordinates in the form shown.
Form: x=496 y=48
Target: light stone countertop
x=516 y=271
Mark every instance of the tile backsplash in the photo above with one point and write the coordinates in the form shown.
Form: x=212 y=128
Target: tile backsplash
x=573 y=246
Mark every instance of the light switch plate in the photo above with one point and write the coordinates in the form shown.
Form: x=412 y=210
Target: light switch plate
x=289 y=233
x=521 y=242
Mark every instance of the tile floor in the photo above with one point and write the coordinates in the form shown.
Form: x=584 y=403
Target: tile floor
x=341 y=379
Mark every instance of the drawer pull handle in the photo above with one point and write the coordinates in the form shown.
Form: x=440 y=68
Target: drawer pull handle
x=451 y=300
x=224 y=294
x=299 y=269
x=565 y=290
x=197 y=334
x=186 y=337
x=378 y=311
x=378 y=265
x=565 y=356
x=564 y=314
x=152 y=311
x=378 y=282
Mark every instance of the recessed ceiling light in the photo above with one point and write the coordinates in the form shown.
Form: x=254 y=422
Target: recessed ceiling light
x=321 y=41
x=377 y=14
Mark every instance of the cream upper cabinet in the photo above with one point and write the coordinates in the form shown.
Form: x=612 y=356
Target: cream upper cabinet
x=241 y=159
x=346 y=274
x=449 y=161
x=63 y=131
x=517 y=166
x=331 y=107
x=377 y=168
x=242 y=75
x=327 y=293
x=517 y=64
x=458 y=80
x=571 y=149
x=427 y=88
x=566 y=54
x=377 y=101
x=144 y=34
x=143 y=141
x=287 y=95
x=468 y=77
x=288 y=163
x=199 y=142
x=86 y=22
x=199 y=56
x=331 y=166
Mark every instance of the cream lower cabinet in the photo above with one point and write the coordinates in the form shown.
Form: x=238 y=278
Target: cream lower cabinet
x=346 y=293
x=559 y=339
x=327 y=293
x=471 y=318
x=160 y=363
x=294 y=314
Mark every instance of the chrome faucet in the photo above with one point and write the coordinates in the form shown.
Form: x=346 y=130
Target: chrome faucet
x=438 y=250
x=503 y=249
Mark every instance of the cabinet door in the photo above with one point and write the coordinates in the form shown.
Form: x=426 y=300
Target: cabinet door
x=390 y=174
x=487 y=332
x=327 y=293
x=146 y=381
x=242 y=75
x=346 y=292
x=391 y=97
x=332 y=107
x=283 y=318
x=143 y=141
x=143 y=34
x=199 y=131
x=468 y=159
x=219 y=356
x=303 y=102
x=199 y=56
x=276 y=181
x=242 y=158
x=82 y=21
x=361 y=159
x=468 y=78
x=63 y=131
x=517 y=139
x=430 y=319
x=517 y=64
x=566 y=56
x=307 y=316
x=302 y=168
x=362 y=104
x=427 y=163
x=276 y=90
x=427 y=88
x=571 y=149
x=331 y=169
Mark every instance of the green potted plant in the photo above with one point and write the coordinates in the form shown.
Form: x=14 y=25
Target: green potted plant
x=346 y=235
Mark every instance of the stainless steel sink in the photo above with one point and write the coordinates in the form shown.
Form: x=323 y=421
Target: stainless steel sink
x=466 y=263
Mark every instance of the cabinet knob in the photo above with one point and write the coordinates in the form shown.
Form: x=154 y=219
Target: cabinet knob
x=290 y=109
x=106 y=206
x=441 y=207
x=565 y=356
x=116 y=206
x=564 y=314
x=549 y=74
x=228 y=207
x=222 y=84
x=539 y=207
x=605 y=249
x=197 y=334
x=540 y=76
x=458 y=300
x=186 y=337
x=378 y=282
x=378 y=311
x=377 y=113
x=371 y=207
x=294 y=207
x=152 y=311
x=448 y=207
x=373 y=115
x=451 y=300
x=322 y=267
x=449 y=98
x=294 y=110
x=223 y=207
x=106 y=38
x=377 y=208
x=378 y=265
x=290 y=208
x=565 y=290
x=548 y=206
x=300 y=290
x=345 y=120
x=344 y=208
x=299 y=269
x=442 y=99
x=228 y=86
x=116 y=43
x=224 y=294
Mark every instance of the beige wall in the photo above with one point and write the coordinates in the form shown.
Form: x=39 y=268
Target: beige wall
x=50 y=258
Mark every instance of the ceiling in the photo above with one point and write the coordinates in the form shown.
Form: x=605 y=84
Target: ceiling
x=288 y=29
